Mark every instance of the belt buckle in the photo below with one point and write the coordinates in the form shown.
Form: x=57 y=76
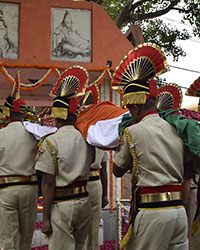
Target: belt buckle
x=24 y=178
x=59 y=192
x=169 y=196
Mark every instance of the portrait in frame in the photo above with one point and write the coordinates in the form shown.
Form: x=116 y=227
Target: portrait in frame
x=70 y=35
x=9 y=27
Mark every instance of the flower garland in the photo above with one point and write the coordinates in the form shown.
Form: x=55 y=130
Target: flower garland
x=46 y=66
x=122 y=187
x=111 y=94
x=111 y=167
x=105 y=86
x=56 y=71
x=99 y=93
x=101 y=78
x=111 y=181
x=8 y=77
x=27 y=87
x=122 y=180
x=39 y=83
x=43 y=113
x=35 y=118
x=119 y=208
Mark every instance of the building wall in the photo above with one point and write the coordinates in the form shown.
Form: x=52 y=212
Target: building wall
x=108 y=43
x=34 y=41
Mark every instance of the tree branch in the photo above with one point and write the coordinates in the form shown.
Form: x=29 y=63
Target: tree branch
x=125 y=15
x=181 y=10
x=156 y=13
x=99 y=2
x=96 y=1
x=126 y=11
x=176 y=8
x=137 y=4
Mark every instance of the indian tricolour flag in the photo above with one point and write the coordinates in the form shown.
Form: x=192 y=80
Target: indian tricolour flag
x=99 y=124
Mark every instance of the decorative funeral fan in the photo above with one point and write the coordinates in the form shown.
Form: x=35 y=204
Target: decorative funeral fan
x=169 y=97
x=143 y=62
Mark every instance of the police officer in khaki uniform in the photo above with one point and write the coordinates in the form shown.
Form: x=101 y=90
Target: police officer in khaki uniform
x=97 y=188
x=190 y=188
x=97 y=184
x=195 y=232
x=154 y=175
x=64 y=159
x=158 y=218
x=18 y=182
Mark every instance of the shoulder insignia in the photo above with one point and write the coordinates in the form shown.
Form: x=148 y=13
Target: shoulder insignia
x=41 y=149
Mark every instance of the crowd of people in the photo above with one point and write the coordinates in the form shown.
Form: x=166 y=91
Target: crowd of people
x=64 y=168
x=161 y=165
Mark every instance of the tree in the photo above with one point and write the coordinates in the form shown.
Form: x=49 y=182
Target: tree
x=147 y=13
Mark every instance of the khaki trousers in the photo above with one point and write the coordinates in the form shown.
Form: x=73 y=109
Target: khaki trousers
x=18 y=209
x=69 y=221
x=164 y=229
x=95 y=194
x=195 y=240
x=191 y=208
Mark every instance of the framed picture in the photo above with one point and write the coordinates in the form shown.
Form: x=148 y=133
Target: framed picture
x=9 y=26
x=70 y=35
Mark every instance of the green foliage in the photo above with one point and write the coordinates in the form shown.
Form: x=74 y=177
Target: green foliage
x=114 y=7
x=191 y=14
x=147 y=14
x=156 y=31
x=160 y=81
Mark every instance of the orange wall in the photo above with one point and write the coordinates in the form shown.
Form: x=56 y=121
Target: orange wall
x=108 y=43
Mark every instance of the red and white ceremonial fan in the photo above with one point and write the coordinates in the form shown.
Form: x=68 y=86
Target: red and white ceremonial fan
x=72 y=82
x=143 y=62
x=169 y=96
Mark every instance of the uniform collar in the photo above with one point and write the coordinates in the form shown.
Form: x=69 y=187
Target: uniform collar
x=149 y=113
x=15 y=121
x=66 y=126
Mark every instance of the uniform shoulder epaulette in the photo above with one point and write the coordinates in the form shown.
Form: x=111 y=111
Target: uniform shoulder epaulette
x=54 y=155
x=42 y=139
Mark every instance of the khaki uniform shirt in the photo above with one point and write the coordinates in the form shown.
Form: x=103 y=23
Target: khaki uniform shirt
x=74 y=156
x=100 y=156
x=17 y=150
x=159 y=152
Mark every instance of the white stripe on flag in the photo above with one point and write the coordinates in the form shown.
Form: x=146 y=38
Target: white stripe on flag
x=104 y=134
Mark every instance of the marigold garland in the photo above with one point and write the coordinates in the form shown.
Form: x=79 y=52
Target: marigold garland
x=8 y=77
x=119 y=208
x=111 y=181
x=39 y=116
x=111 y=167
x=122 y=188
x=39 y=83
x=99 y=93
x=43 y=113
x=109 y=73
x=56 y=71
x=111 y=94
x=100 y=78
x=27 y=87
x=104 y=93
x=47 y=66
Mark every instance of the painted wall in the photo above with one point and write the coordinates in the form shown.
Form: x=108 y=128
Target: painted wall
x=108 y=43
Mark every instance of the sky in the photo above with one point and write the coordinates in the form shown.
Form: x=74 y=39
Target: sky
x=191 y=63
